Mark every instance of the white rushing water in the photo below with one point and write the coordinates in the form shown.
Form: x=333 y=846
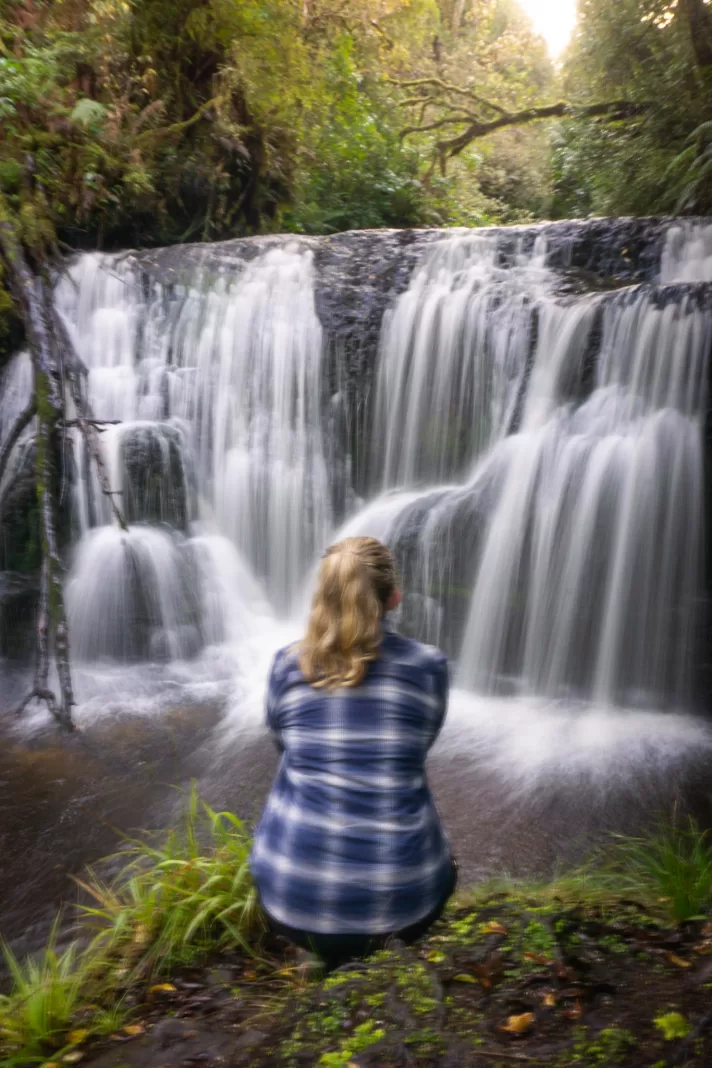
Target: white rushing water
x=535 y=461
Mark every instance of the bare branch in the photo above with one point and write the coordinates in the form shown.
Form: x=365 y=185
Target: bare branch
x=452 y=120
x=85 y=420
x=613 y=111
x=447 y=87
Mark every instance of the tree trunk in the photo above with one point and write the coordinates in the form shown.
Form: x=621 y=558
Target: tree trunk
x=51 y=629
x=698 y=16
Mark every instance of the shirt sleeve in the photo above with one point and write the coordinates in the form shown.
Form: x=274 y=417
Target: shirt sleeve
x=441 y=675
x=274 y=690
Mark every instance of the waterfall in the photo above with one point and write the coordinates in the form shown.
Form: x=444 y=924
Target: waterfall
x=530 y=438
x=568 y=560
x=216 y=385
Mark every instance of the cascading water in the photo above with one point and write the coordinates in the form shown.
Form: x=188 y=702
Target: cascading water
x=534 y=454
x=568 y=562
x=522 y=414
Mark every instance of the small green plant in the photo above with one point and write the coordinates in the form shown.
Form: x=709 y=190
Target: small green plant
x=673 y=1025
x=174 y=901
x=45 y=994
x=365 y=1035
x=672 y=866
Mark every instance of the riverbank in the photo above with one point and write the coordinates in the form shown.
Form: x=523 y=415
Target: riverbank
x=171 y=966
x=510 y=979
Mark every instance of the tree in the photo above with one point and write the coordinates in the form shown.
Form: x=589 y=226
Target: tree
x=646 y=51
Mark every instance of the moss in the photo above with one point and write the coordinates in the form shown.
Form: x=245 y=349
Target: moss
x=609 y=1047
x=673 y=1025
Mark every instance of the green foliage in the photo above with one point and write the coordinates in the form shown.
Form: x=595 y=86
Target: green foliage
x=610 y=1046
x=642 y=51
x=364 y=1035
x=45 y=995
x=170 y=904
x=673 y=866
x=164 y=121
x=673 y=1025
x=173 y=901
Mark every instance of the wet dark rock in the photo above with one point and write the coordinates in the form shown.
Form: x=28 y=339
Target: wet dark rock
x=250 y=1039
x=168 y=1032
x=18 y=604
x=155 y=479
x=19 y=531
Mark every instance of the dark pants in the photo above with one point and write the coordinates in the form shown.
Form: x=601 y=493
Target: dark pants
x=338 y=949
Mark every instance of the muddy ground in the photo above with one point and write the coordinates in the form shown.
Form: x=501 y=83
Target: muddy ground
x=504 y=982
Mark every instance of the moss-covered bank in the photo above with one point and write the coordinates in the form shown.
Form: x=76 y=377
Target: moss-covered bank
x=172 y=965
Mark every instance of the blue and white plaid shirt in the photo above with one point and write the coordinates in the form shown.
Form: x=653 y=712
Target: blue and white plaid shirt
x=350 y=841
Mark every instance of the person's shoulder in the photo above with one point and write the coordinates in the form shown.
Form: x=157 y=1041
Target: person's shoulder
x=418 y=654
x=285 y=660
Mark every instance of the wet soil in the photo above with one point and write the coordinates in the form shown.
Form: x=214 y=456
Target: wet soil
x=65 y=802
x=505 y=982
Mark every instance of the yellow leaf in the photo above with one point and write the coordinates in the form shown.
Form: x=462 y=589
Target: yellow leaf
x=679 y=961
x=72 y=1058
x=465 y=979
x=75 y=1037
x=517 y=1025
x=134 y=1029
x=161 y=988
x=538 y=958
x=495 y=927
x=550 y=1000
x=436 y=956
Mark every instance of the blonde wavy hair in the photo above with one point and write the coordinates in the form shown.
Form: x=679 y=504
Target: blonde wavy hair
x=356 y=579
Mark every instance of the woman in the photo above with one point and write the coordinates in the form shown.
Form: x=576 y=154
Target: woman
x=350 y=850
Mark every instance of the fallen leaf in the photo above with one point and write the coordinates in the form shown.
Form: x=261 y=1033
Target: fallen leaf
x=249 y=975
x=75 y=1037
x=574 y=1012
x=73 y=1057
x=550 y=1000
x=462 y=978
x=679 y=961
x=133 y=1029
x=538 y=958
x=436 y=956
x=161 y=988
x=517 y=1025
x=50 y=1064
x=495 y=927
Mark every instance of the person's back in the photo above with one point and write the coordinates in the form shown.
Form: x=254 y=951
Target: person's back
x=350 y=848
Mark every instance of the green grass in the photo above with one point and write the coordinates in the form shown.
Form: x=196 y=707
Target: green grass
x=45 y=996
x=668 y=870
x=177 y=900
x=672 y=867
x=171 y=903
x=182 y=895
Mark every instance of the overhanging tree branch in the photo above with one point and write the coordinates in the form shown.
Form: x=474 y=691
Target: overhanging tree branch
x=612 y=111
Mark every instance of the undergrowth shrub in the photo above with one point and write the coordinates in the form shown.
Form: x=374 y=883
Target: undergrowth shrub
x=671 y=866
x=170 y=903
x=176 y=900
x=45 y=995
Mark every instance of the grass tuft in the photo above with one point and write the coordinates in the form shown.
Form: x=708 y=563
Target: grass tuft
x=45 y=996
x=174 y=902
x=672 y=867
